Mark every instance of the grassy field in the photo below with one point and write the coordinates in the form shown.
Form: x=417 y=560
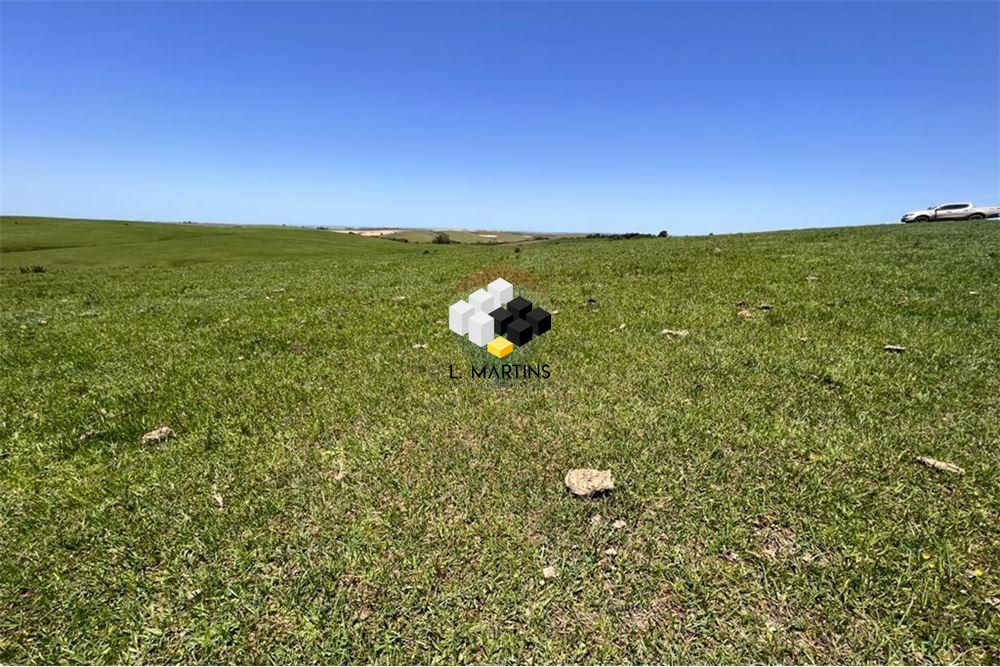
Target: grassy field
x=59 y=243
x=331 y=495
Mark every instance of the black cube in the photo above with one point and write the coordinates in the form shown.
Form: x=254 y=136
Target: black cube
x=501 y=319
x=519 y=306
x=540 y=321
x=519 y=331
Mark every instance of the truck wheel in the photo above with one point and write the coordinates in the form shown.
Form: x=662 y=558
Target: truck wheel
x=921 y=218
x=976 y=216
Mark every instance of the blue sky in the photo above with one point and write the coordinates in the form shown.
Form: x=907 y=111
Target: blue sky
x=695 y=118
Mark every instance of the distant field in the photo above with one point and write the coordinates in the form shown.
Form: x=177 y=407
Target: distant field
x=456 y=236
x=91 y=243
x=331 y=495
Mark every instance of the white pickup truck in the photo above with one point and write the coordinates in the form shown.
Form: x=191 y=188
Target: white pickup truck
x=963 y=211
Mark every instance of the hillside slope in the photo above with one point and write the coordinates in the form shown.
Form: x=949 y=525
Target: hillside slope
x=331 y=494
x=59 y=242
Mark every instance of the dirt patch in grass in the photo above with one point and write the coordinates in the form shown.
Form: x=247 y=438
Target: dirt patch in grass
x=482 y=277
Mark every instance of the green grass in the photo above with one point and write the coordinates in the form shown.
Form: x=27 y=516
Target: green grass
x=57 y=242
x=372 y=510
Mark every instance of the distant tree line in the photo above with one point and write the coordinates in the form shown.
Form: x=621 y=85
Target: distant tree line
x=628 y=235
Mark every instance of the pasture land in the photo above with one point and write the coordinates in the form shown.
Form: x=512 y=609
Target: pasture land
x=331 y=495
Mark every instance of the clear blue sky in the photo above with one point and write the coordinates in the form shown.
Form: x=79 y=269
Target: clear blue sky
x=688 y=117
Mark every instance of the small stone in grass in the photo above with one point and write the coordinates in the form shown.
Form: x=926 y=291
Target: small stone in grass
x=745 y=313
x=941 y=465
x=742 y=304
x=158 y=434
x=549 y=572
x=611 y=551
x=675 y=333
x=620 y=523
x=974 y=292
x=765 y=306
x=420 y=346
x=895 y=349
x=596 y=519
x=588 y=482
x=812 y=279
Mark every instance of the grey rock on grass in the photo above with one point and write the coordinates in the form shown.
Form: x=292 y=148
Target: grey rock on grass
x=588 y=482
x=158 y=434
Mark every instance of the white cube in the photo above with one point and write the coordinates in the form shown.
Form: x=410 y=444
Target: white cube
x=483 y=301
x=481 y=328
x=502 y=289
x=458 y=317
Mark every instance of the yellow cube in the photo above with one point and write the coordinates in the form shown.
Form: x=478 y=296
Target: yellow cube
x=500 y=347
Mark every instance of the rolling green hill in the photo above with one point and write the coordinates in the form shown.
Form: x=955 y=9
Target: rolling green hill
x=76 y=243
x=331 y=494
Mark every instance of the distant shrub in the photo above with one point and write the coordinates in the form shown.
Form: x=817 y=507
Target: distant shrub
x=516 y=250
x=663 y=234
x=441 y=237
x=32 y=268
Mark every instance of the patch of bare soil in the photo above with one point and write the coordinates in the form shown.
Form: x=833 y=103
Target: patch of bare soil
x=515 y=276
